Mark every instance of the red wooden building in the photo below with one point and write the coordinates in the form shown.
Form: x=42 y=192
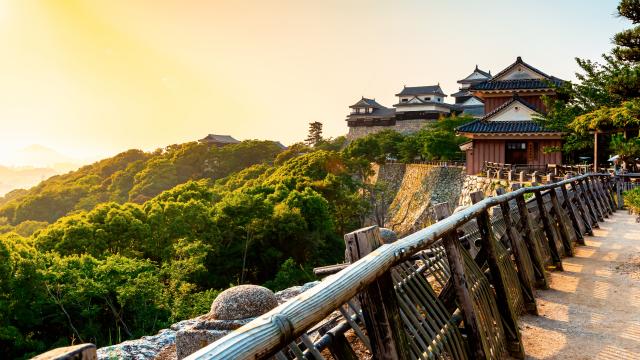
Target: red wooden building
x=507 y=133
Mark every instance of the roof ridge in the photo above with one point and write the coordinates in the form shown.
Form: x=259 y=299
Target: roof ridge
x=518 y=61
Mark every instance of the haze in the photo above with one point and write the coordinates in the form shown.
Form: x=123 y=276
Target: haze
x=93 y=78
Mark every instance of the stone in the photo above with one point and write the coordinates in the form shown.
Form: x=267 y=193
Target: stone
x=203 y=333
x=243 y=301
x=294 y=291
x=147 y=347
x=388 y=236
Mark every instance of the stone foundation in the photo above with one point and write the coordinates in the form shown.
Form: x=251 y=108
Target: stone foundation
x=401 y=126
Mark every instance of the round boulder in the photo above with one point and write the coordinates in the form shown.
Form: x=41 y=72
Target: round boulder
x=388 y=236
x=242 y=302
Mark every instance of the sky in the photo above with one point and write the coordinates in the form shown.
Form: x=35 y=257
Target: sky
x=91 y=78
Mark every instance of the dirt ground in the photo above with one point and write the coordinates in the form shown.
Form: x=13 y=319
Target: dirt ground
x=592 y=310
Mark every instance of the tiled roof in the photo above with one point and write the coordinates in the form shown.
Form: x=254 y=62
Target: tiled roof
x=481 y=126
x=517 y=84
x=364 y=102
x=464 y=92
x=222 y=139
x=421 y=90
x=520 y=62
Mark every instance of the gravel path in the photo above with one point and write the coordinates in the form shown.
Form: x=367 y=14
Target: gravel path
x=592 y=310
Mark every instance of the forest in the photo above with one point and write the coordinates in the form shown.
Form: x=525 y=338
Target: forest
x=128 y=245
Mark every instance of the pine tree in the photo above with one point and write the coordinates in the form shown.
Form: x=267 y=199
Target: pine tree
x=315 y=134
x=628 y=41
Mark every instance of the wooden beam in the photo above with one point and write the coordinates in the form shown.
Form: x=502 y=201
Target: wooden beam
x=508 y=314
x=451 y=243
x=526 y=272
x=378 y=301
x=551 y=238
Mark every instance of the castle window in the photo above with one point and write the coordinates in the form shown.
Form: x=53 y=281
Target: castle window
x=427 y=98
x=405 y=100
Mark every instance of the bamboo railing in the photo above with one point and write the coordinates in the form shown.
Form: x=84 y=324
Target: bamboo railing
x=453 y=290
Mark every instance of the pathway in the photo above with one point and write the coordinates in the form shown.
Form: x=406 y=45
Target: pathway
x=592 y=310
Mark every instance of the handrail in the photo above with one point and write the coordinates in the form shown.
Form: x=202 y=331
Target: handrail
x=269 y=332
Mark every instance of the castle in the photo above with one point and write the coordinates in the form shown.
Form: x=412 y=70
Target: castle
x=504 y=107
x=416 y=107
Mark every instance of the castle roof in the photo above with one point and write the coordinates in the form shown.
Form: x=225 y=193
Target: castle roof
x=365 y=102
x=485 y=125
x=421 y=90
x=476 y=76
x=219 y=139
x=518 y=76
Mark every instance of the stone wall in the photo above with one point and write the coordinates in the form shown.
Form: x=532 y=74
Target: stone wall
x=473 y=183
x=401 y=126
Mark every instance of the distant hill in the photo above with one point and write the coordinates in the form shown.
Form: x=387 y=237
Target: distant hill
x=22 y=177
x=133 y=175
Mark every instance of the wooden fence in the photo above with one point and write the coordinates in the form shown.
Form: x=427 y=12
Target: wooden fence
x=453 y=290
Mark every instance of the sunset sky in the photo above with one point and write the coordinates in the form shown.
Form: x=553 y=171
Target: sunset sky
x=90 y=78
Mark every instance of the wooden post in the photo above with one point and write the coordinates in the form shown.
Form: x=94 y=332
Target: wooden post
x=619 y=184
x=379 y=303
x=546 y=222
x=589 y=203
x=339 y=346
x=595 y=151
x=465 y=299
x=600 y=183
x=577 y=224
x=528 y=229
x=598 y=202
x=523 y=260
x=593 y=181
x=593 y=201
x=608 y=191
x=587 y=220
x=521 y=177
x=564 y=231
x=507 y=313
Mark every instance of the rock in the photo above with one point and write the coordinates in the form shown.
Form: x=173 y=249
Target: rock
x=147 y=347
x=243 y=301
x=388 y=236
x=203 y=333
x=291 y=292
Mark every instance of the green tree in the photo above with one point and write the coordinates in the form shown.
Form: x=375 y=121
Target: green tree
x=315 y=134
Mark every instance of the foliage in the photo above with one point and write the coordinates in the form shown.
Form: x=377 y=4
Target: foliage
x=132 y=176
x=121 y=270
x=627 y=149
x=436 y=141
x=290 y=274
x=315 y=134
x=632 y=199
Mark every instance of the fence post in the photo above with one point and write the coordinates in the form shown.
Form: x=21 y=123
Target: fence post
x=595 y=186
x=507 y=312
x=523 y=260
x=619 y=184
x=465 y=300
x=572 y=215
x=378 y=301
x=590 y=201
x=521 y=177
x=596 y=201
x=600 y=183
x=546 y=223
x=529 y=237
x=608 y=190
x=564 y=231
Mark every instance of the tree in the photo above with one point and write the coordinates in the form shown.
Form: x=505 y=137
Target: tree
x=315 y=134
x=628 y=41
